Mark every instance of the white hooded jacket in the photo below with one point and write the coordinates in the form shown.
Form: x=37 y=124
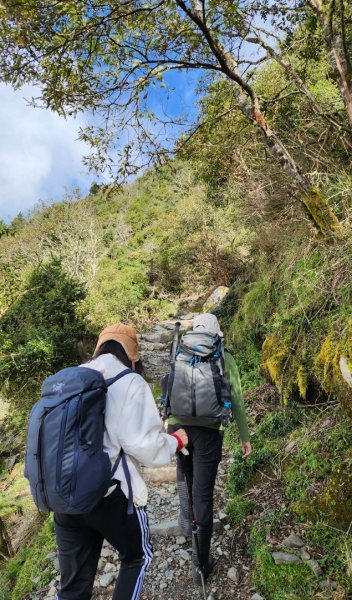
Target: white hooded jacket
x=132 y=422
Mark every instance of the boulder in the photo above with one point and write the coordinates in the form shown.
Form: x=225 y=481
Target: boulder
x=215 y=298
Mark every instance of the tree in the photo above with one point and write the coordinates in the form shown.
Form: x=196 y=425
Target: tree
x=335 y=19
x=108 y=57
x=40 y=333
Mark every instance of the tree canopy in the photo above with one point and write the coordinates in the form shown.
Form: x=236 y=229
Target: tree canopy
x=109 y=57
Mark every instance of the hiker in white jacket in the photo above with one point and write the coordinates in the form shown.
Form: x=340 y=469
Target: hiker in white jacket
x=132 y=423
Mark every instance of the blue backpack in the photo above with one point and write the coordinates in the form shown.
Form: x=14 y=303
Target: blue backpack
x=68 y=470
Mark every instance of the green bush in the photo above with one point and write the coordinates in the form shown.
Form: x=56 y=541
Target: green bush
x=40 y=333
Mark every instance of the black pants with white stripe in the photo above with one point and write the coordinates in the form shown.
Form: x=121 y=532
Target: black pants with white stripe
x=80 y=539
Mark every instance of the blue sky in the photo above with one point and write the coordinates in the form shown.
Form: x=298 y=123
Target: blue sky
x=40 y=154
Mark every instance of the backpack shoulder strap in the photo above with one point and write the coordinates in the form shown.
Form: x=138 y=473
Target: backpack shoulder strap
x=122 y=457
x=112 y=380
x=221 y=354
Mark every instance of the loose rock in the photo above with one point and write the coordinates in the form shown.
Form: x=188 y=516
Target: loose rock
x=315 y=566
x=233 y=574
x=293 y=541
x=106 y=579
x=282 y=558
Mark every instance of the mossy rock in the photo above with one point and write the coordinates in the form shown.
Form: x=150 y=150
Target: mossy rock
x=333 y=505
x=215 y=298
x=287 y=369
x=274 y=356
x=300 y=374
x=328 y=366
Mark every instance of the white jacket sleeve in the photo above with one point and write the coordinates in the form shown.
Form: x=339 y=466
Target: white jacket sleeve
x=140 y=428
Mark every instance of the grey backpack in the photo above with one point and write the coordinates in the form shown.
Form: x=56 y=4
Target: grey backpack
x=197 y=390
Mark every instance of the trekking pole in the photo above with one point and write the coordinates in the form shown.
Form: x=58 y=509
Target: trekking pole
x=164 y=401
x=194 y=524
x=174 y=343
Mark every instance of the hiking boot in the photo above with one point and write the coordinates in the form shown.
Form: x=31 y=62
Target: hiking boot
x=207 y=570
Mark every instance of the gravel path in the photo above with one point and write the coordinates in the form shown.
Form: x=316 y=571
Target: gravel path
x=169 y=576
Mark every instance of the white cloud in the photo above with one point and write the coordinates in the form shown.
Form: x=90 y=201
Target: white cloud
x=39 y=153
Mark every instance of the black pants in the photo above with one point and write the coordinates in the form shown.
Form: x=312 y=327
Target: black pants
x=200 y=468
x=80 y=539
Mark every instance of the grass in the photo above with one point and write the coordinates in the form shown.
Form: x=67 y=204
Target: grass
x=334 y=547
x=267 y=442
x=317 y=475
x=277 y=582
x=29 y=570
x=238 y=508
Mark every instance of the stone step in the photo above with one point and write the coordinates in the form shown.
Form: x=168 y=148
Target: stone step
x=159 y=337
x=166 y=529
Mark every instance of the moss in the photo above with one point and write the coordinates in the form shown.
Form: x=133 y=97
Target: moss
x=327 y=365
x=335 y=548
x=334 y=504
x=302 y=381
x=317 y=474
x=280 y=582
x=321 y=213
x=281 y=365
x=277 y=582
x=274 y=355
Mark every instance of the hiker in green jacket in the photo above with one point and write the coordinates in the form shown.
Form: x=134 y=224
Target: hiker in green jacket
x=196 y=473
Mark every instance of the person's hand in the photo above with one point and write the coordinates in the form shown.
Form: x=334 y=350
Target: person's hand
x=246 y=449
x=182 y=439
x=183 y=435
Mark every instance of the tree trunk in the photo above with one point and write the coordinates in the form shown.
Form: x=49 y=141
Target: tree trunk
x=345 y=83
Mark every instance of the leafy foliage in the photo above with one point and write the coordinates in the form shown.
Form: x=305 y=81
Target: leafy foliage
x=40 y=333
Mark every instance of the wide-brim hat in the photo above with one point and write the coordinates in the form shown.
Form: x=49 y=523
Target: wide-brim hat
x=124 y=335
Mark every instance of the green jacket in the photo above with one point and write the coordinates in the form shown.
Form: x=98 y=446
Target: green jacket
x=238 y=409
